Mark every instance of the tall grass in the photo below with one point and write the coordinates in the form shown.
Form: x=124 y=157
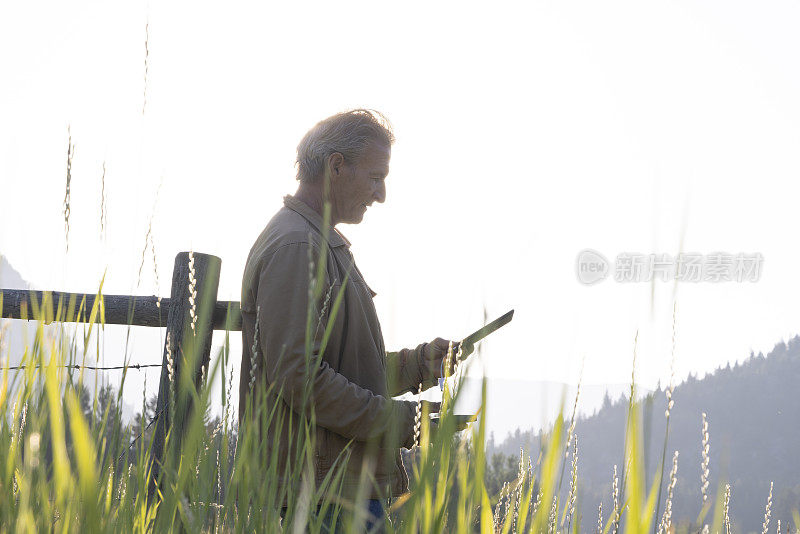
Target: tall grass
x=71 y=464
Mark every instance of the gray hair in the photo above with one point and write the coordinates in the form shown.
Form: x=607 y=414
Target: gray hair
x=348 y=133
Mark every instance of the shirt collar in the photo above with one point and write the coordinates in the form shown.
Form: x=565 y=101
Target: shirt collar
x=335 y=238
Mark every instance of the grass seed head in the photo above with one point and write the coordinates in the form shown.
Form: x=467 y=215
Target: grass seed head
x=600 y=518
x=68 y=193
x=615 y=496
x=103 y=207
x=254 y=350
x=666 y=520
x=573 y=485
x=146 y=63
x=726 y=509
x=171 y=373
x=767 y=511
x=192 y=292
x=418 y=416
x=705 y=460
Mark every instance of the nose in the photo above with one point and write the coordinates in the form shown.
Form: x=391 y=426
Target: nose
x=379 y=193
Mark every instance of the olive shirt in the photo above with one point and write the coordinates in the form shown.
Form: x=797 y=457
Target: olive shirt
x=351 y=390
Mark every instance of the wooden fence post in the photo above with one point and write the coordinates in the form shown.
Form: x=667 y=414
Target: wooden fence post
x=187 y=347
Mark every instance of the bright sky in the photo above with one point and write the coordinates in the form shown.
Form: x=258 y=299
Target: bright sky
x=526 y=133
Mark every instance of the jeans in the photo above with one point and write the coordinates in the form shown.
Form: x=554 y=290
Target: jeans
x=374 y=523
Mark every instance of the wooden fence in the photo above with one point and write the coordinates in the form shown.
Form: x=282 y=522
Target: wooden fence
x=191 y=314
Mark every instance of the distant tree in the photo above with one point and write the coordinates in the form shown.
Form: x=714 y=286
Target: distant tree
x=500 y=468
x=752 y=410
x=606 y=402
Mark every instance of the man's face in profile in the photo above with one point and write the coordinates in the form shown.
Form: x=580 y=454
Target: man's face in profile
x=357 y=185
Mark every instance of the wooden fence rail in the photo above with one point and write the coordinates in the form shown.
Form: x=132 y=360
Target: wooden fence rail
x=190 y=314
x=119 y=309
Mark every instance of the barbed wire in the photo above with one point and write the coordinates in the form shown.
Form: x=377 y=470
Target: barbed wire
x=153 y=420
x=96 y=368
x=138 y=366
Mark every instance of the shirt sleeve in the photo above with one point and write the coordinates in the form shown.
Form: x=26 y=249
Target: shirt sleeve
x=406 y=371
x=284 y=324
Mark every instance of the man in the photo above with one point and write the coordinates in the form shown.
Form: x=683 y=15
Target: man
x=343 y=162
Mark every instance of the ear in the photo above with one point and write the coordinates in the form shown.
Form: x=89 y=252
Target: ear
x=335 y=165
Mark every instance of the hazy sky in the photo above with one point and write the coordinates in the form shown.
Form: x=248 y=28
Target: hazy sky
x=526 y=132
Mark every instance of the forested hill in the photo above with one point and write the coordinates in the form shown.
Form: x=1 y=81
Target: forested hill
x=753 y=413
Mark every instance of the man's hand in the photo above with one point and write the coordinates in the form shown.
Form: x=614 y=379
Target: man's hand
x=434 y=354
x=462 y=423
